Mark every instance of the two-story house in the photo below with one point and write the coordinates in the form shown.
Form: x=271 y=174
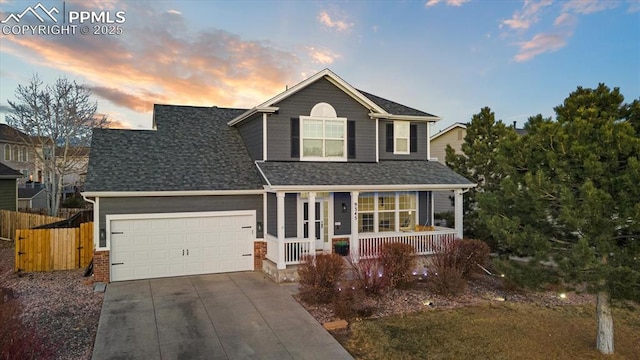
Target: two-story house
x=15 y=153
x=213 y=189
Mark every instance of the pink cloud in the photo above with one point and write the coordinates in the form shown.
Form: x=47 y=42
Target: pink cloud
x=539 y=44
x=456 y=3
x=588 y=6
x=527 y=16
x=161 y=61
x=322 y=56
x=339 y=25
x=566 y=19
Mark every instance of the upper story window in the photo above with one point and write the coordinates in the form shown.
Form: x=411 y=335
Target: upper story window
x=47 y=153
x=401 y=137
x=7 y=152
x=25 y=154
x=323 y=135
x=14 y=155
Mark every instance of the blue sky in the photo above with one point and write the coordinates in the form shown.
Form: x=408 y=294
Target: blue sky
x=446 y=57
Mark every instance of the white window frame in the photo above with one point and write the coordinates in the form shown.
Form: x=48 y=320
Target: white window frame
x=376 y=210
x=7 y=152
x=397 y=124
x=323 y=112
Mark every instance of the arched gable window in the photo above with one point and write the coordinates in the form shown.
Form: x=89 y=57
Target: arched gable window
x=7 y=152
x=323 y=135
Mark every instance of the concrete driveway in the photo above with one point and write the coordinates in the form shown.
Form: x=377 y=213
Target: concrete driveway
x=223 y=316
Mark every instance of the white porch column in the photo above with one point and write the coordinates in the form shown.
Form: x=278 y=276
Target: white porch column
x=354 y=244
x=280 y=227
x=459 y=213
x=311 y=224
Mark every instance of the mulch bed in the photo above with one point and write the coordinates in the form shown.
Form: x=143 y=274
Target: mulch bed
x=482 y=289
x=60 y=305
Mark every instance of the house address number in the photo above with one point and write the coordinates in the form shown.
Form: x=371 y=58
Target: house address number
x=355 y=211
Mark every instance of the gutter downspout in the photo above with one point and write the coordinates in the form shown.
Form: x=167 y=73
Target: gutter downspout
x=96 y=221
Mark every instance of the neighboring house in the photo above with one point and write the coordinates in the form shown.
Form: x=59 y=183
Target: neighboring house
x=33 y=196
x=452 y=135
x=15 y=152
x=9 y=187
x=213 y=189
x=78 y=160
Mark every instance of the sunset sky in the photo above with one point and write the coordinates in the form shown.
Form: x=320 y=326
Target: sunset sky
x=446 y=57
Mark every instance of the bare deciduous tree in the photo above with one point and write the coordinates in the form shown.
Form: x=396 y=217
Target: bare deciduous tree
x=59 y=119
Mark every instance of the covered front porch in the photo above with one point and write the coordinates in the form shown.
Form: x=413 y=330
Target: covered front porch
x=365 y=219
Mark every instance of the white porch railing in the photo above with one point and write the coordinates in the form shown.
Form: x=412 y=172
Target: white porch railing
x=292 y=250
x=425 y=242
x=288 y=252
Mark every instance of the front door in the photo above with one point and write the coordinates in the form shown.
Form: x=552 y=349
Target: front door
x=319 y=224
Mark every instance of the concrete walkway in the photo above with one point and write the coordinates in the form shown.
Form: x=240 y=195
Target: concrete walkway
x=223 y=316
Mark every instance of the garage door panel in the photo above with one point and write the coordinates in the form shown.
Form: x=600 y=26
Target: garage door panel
x=161 y=247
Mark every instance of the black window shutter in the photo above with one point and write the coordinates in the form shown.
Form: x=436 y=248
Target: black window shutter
x=413 y=138
x=295 y=137
x=351 y=139
x=389 y=137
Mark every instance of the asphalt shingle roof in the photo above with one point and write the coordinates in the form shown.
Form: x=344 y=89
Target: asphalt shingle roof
x=9 y=134
x=28 y=193
x=9 y=173
x=349 y=173
x=393 y=107
x=192 y=149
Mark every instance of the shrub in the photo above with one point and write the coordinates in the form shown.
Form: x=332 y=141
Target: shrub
x=471 y=253
x=18 y=341
x=446 y=275
x=352 y=302
x=368 y=276
x=319 y=276
x=397 y=260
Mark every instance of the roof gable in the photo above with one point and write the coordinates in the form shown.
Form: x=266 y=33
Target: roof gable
x=377 y=106
x=447 y=129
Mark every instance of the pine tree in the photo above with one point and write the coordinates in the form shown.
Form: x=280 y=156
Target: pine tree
x=570 y=193
x=481 y=163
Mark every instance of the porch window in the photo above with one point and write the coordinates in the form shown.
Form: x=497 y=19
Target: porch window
x=323 y=135
x=366 y=211
x=407 y=210
x=387 y=212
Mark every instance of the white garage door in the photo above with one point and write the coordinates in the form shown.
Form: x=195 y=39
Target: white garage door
x=162 y=245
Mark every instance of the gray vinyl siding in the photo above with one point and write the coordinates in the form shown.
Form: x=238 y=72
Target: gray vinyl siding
x=290 y=216
x=169 y=204
x=39 y=201
x=301 y=103
x=343 y=218
x=424 y=207
x=251 y=132
x=8 y=194
x=421 y=154
x=272 y=214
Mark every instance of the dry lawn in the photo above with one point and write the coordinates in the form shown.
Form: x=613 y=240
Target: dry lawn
x=493 y=331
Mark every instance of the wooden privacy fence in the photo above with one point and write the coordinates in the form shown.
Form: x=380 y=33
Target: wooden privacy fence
x=54 y=249
x=10 y=221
